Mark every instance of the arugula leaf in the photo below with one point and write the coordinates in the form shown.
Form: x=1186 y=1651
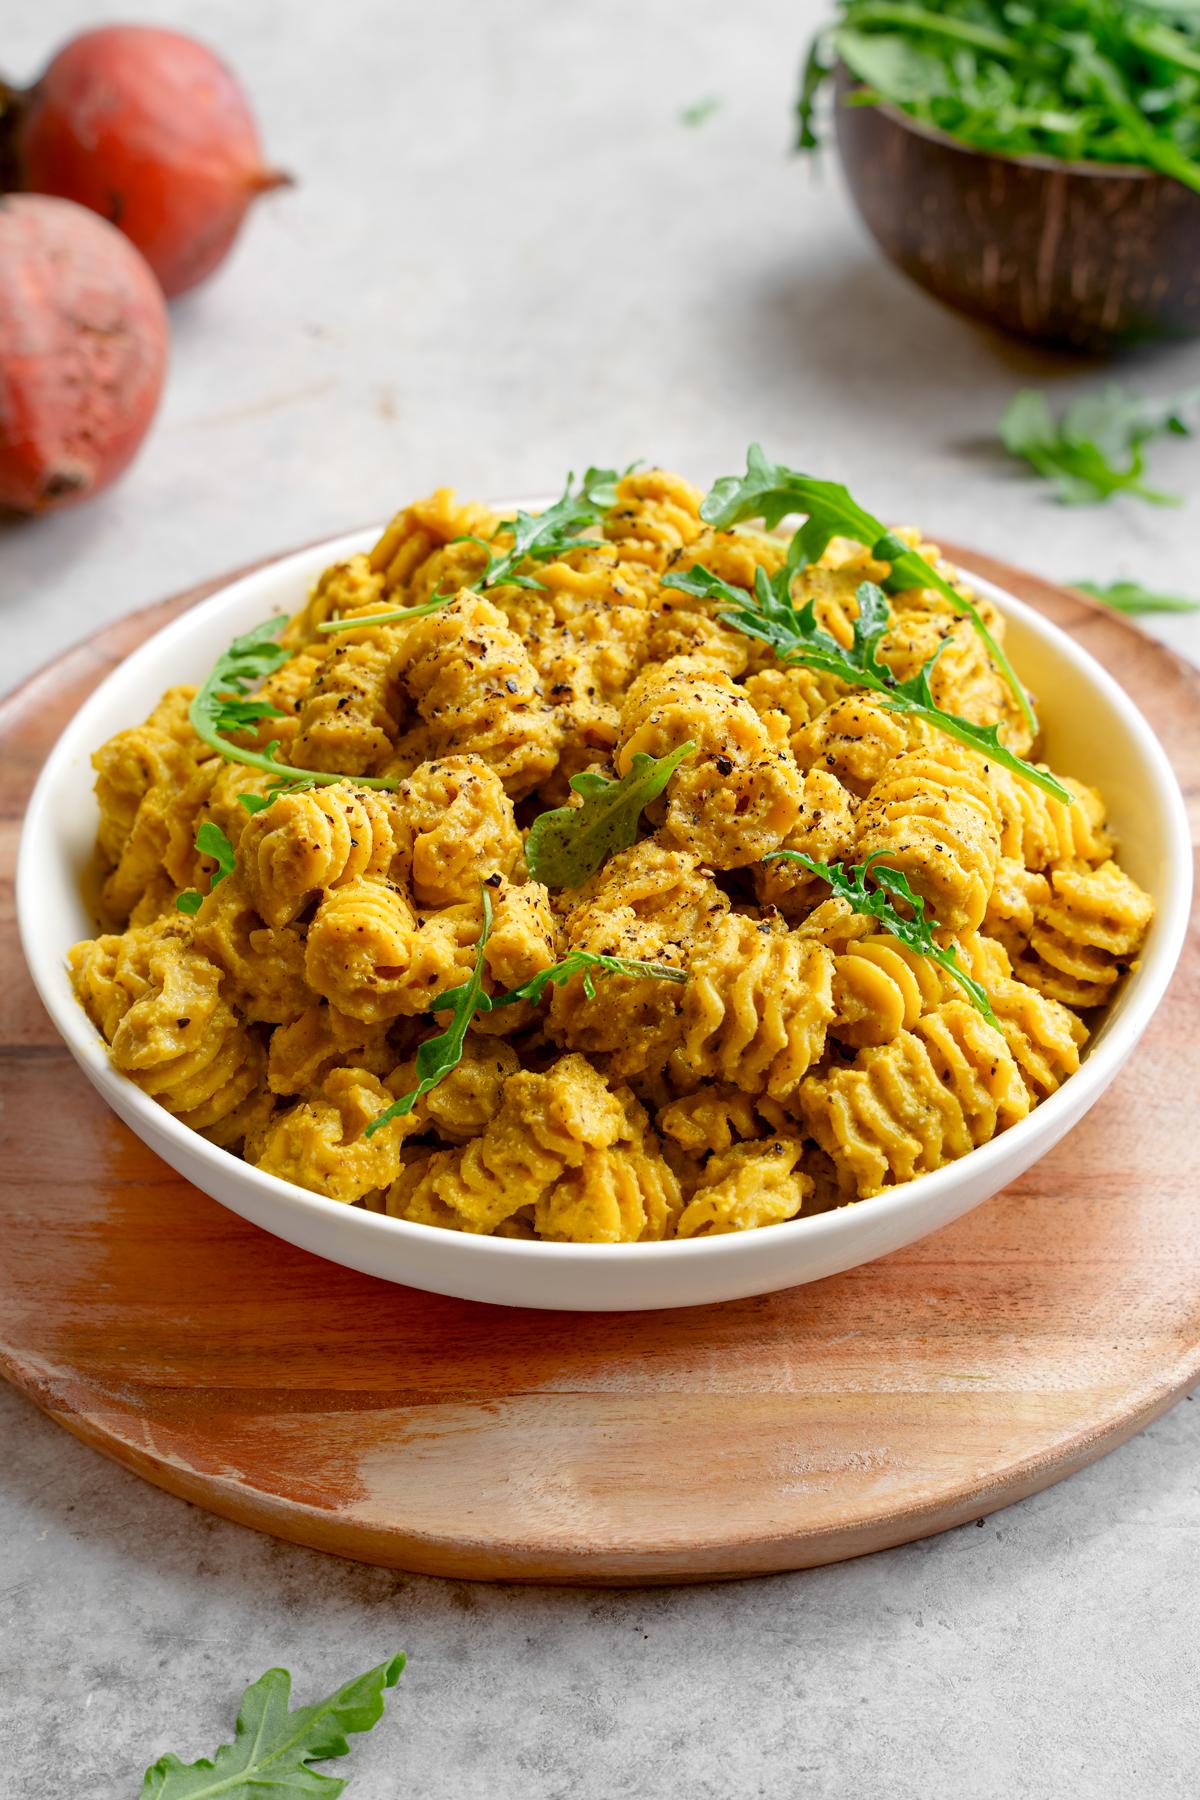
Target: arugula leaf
x=700 y=111
x=540 y=537
x=273 y=1750
x=1079 y=79
x=796 y=637
x=569 y=843
x=1130 y=597
x=1096 y=449
x=438 y=1055
x=222 y=705
x=390 y=617
x=916 y=932
x=210 y=841
x=771 y=491
x=589 y=964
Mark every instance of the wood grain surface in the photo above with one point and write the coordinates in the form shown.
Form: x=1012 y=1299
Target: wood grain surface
x=430 y=1434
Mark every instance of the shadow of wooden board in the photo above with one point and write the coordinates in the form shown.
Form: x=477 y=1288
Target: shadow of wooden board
x=399 y=1428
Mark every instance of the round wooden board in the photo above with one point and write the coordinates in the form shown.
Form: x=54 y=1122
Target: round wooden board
x=399 y=1428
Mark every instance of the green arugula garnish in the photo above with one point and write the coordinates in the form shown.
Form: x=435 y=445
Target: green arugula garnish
x=540 y=537
x=438 y=1055
x=1130 y=597
x=796 y=637
x=224 y=704
x=1097 y=448
x=1071 y=79
x=770 y=491
x=700 y=111
x=210 y=841
x=273 y=1751
x=569 y=843
x=390 y=617
x=915 y=931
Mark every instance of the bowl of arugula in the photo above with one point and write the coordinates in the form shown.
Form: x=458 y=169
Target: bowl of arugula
x=1036 y=168
x=1091 y=729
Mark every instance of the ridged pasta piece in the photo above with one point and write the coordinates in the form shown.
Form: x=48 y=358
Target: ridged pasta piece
x=1016 y=894
x=647 y=903
x=350 y=713
x=407 y=553
x=156 y=753
x=933 y=816
x=755 y=1007
x=624 y=1195
x=656 y=514
x=1038 y=832
x=881 y=988
x=904 y=1108
x=524 y=938
x=964 y=679
x=262 y=964
x=320 y=1144
x=853 y=739
x=305 y=843
x=462 y=1104
x=158 y=1002
x=716 y=1117
x=453 y=826
x=746 y=1187
x=545 y=1125
x=738 y=794
x=342 y=589
x=477 y=692
x=369 y=956
x=1086 y=935
x=801 y=694
x=1045 y=1037
x=302 y=1052
x=825 y=830
x=683 y=631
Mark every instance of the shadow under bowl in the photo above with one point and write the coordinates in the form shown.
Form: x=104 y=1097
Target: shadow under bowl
x=1087 y=256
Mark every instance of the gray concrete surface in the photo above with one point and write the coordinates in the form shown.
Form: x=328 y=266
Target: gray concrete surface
x=507 y=256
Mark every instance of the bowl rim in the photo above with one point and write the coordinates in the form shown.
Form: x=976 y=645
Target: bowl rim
x=1144 y=989
x=1032 y=159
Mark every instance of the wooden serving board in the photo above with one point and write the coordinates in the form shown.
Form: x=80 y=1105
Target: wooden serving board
x=776 y=1433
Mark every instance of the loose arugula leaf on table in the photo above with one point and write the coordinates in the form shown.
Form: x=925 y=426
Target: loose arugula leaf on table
x=273 y=1751
x=1078 y=79
x=912 y=929
x=569 y=843
x=223 y=704
x=438 y=1055
x=796 y=637
x=700 y=111
x=770 y=491
x=1097 y=448
x=1130 y=597
x=210 y=841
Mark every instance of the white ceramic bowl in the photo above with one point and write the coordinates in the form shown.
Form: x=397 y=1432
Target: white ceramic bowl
x=1092 y=731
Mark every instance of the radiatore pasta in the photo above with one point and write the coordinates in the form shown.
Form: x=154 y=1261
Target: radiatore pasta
x=723 y=1043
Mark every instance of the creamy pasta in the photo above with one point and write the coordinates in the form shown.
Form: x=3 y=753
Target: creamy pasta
x=773 y=1051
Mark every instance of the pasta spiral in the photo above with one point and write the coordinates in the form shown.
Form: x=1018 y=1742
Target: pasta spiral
x=369 y=957
x=320 y=1143
x=307 y=842
x=904 y=1108
x=738 y=794
x=932 y=816
x=755 y=1007
x=350 y=712
x=1085 y=934
x=453 y=826
x=471 y=680
x=747 y=1186
x=656 y=515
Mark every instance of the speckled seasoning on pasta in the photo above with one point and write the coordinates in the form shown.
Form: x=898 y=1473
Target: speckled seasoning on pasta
x=807 y=1060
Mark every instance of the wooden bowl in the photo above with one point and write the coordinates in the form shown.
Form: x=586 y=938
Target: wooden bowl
x=1092 y=256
